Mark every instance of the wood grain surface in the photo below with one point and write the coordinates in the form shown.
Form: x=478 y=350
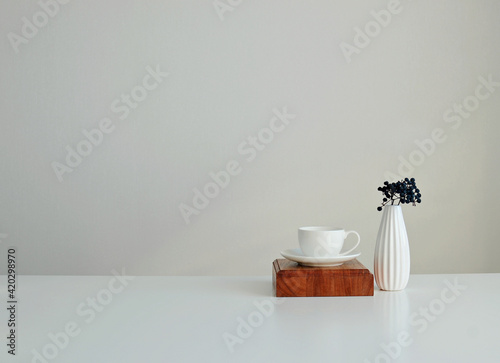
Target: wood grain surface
x=349 y=279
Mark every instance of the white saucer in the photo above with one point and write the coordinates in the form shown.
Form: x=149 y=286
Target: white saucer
x=296 y=255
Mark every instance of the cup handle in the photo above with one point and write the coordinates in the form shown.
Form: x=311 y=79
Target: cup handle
x=356 y=245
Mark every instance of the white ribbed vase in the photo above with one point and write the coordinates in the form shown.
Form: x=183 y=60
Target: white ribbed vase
x=392 y=251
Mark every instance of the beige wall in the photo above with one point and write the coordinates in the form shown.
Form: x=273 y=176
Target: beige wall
x=357 y=114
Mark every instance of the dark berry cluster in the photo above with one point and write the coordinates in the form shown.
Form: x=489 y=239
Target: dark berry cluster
x=404 y=192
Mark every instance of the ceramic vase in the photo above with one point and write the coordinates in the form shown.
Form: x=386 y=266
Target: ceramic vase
x=392 y=251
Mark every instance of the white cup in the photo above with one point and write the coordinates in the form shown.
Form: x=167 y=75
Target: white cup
x=324 y=241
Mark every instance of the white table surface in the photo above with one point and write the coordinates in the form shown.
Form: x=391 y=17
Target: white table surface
x=185 y=319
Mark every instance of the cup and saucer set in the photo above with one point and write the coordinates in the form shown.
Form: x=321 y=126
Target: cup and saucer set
x=321 y=247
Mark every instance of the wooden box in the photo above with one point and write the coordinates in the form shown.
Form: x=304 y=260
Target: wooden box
x=349 y=279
